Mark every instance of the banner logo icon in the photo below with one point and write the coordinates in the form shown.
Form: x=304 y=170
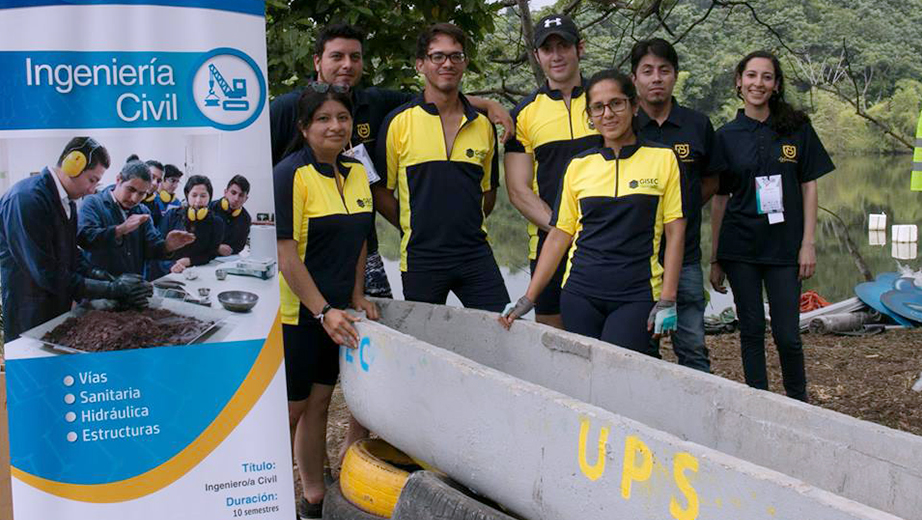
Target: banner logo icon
x=228 y=89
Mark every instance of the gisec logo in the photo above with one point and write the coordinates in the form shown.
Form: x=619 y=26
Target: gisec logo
x=228 y=88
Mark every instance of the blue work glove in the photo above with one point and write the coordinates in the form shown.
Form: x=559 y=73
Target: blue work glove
x=662 y=317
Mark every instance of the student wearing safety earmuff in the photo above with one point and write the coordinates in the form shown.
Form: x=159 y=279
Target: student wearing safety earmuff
x=236 y=218
x=166 y=198
x=41 y=270
x=192 y=216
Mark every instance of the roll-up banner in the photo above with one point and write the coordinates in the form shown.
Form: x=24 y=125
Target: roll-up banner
x=123 y=127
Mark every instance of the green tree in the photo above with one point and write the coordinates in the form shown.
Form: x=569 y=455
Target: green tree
x=292 y=26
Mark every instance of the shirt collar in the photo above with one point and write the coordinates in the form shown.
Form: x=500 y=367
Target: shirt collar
x=111 y=191
x=469 y=111
x=750 y=123
x=676 y=115
x=325 y=169
x=626 y=151
x=558 y=95
x=65 y=199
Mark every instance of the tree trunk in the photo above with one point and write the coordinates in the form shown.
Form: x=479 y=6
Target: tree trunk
x=528 y=31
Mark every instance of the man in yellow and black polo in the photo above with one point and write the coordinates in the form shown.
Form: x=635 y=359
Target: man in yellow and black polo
x=551 y=126
x=440 y=157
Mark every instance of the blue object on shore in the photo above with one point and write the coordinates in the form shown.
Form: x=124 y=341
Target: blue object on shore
x=871 y=292
x=905 y=299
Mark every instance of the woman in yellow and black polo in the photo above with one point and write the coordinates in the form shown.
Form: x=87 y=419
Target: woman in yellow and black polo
x=614 y=205
x=324 y=212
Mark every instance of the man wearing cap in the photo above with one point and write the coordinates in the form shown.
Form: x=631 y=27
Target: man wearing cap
x=551 y=126
x=654 y=68
x=338 y=59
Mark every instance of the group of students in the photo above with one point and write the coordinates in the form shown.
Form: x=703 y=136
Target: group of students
x=62 y=241
x=611 y=173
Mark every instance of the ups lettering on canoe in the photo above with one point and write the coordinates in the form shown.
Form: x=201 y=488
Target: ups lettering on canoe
x=637 y=466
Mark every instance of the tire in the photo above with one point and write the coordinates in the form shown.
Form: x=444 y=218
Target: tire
x=428 y=496
x=336 y=507
x=373 y=475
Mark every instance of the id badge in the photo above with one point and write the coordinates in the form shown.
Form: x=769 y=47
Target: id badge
x=360 y=154
x=769 y=200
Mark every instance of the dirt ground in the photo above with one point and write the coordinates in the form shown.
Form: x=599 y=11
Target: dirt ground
x=868 y=377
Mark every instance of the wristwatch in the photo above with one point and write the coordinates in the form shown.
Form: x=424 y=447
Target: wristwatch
x=319 y=317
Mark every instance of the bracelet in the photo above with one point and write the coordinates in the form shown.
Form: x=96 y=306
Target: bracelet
x=323 y=312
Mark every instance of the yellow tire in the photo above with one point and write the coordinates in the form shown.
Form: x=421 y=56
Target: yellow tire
x=371 y=477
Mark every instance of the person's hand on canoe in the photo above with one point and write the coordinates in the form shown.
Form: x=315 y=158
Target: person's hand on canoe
x=514 y=311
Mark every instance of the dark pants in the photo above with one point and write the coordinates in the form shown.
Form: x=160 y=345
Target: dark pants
x=783 y=290
x=478 y=284
x=620 y=323
x=688 y=338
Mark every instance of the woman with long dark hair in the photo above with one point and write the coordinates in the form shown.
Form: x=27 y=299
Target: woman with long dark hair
x=764 y=217
x=615 y=203
x=323 y=214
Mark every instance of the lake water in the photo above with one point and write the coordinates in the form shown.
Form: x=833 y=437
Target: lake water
x=860 y=186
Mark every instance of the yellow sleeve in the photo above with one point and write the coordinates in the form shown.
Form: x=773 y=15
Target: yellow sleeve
x=566 y=212
x=299 y=203
x=672 y=192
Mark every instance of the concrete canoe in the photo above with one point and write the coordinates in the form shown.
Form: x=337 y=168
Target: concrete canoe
x=557 y=426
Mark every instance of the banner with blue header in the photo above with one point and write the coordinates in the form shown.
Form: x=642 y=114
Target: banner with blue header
x=174 y=408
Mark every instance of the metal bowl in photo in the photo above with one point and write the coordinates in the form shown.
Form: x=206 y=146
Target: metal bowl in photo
x=238 y=301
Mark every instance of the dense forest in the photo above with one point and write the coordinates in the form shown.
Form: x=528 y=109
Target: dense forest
x=852 y=64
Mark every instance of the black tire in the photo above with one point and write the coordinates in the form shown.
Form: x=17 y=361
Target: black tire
x=336 y=507
x=429 y=496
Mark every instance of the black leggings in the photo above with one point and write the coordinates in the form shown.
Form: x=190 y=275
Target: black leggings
x=620 y=323
x=783 y=290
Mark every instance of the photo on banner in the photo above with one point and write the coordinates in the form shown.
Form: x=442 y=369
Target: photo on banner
x=138 y=266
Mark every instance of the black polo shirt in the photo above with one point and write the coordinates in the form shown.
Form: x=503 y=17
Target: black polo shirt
x=369 y=108
x=745 y=149
x=691 y=136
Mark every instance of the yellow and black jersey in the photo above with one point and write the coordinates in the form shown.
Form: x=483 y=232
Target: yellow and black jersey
x=552 y=133
x=439 y=194
x=615 y=208
x=329 y=227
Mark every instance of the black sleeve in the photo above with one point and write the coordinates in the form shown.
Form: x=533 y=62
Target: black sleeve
x=283 y=177
x=718 y=164
x=393 y=99
x=816 y=161
x=708 y=150
x=283 y=126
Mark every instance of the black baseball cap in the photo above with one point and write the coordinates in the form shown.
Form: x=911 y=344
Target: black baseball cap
x=559 y=24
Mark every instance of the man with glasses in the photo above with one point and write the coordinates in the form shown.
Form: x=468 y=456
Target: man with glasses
x=41 y=270
x=339 y=60
x=550 y=128
x=439 y=154
x=654 y=67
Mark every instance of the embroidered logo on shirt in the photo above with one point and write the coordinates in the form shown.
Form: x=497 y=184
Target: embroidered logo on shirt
x=788 y=153
x=635 y=183
x=480 y=154
x=363 y=202
x=682 y=150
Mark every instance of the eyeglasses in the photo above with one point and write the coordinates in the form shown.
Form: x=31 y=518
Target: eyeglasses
x=616 y=105
x=323 y=88
x=439 y=57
